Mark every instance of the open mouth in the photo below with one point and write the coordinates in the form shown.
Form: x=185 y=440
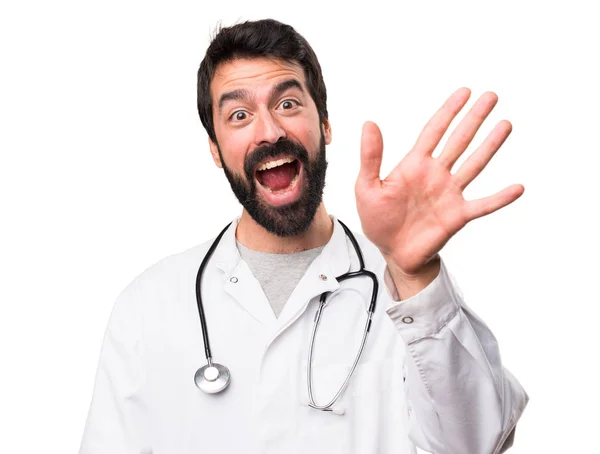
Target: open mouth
x=279 y=176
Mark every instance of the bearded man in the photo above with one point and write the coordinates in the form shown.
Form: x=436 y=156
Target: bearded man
x=323 y=341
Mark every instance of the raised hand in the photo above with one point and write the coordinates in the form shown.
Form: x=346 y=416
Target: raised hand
x=419 y=206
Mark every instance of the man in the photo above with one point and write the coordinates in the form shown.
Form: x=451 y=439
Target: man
x=429 y=373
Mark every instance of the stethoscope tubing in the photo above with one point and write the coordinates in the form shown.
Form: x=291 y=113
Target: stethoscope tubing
x=219 y=369
x=367 y=329
x=212 y=248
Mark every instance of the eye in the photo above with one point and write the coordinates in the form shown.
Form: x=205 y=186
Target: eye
x=238 y=115
x=288 y=104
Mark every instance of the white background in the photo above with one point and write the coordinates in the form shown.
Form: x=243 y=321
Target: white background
x=105 y=170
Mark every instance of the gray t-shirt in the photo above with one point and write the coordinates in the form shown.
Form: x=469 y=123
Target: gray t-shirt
x=278 y=274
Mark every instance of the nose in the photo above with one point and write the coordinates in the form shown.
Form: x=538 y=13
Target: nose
x=268 y=129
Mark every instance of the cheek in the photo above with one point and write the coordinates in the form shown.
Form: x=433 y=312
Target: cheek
x=233 y=148
x=312 y=141
x=310 y=137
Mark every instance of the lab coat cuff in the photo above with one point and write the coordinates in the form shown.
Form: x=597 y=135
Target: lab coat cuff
x=425 y=313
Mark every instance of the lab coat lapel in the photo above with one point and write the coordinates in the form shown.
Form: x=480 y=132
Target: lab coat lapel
x=238 y=280
x=320 y=276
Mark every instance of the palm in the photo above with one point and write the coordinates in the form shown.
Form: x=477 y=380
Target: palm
x=413 y=212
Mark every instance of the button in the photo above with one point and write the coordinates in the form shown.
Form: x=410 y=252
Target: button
x=407 y=319
x=233 y=279
x=323 y=277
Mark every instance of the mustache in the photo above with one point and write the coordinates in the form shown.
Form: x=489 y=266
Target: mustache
x=281 y=147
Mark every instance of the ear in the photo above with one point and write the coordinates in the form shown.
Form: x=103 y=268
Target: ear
x=327 y=131
x=214 y=151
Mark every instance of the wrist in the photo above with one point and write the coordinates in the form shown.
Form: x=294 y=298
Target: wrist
x=409 y=284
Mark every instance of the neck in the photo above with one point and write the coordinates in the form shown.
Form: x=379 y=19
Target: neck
x=254 y=236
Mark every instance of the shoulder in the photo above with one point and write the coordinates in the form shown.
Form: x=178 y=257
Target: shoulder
x=172 y=266
x=167 y=274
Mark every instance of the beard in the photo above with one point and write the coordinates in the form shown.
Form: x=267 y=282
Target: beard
x=286 y=220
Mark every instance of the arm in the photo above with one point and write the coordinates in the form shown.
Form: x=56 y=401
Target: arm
x=116 y=421
x=461 y=398
x=464 y=401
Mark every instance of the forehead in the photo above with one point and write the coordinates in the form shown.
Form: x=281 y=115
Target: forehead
x=253 y=73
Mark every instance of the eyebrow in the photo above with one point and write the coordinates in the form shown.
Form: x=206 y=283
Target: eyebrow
x=233 y=95
x=245 y=95
x=286 y=85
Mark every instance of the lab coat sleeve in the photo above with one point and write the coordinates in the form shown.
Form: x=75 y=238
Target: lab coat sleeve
x=461 y=399
x=116 y=421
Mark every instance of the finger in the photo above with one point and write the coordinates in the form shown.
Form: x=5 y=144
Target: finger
x=371 y=152
x=436 y=127
x=482 y=207
x=466 y=130
x=482 y=156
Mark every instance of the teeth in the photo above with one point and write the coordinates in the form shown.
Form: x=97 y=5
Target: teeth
x=271 y=164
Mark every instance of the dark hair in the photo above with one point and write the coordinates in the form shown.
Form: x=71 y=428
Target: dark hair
x=252 y=39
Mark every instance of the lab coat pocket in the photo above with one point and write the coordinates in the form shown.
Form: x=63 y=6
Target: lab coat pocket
x=372 y=402
x=369 y=378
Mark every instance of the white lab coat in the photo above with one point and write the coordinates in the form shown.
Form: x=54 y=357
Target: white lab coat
x=436 y=382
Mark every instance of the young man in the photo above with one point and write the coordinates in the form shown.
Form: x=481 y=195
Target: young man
x=428 y=374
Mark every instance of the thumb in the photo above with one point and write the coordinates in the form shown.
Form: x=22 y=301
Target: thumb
x=371 y=152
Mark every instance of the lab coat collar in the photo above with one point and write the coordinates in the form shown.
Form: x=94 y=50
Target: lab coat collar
x=320 y=277
x=227 y=256
x=335 y=256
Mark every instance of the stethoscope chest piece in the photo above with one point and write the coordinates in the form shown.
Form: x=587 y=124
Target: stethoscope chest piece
x=212 y=378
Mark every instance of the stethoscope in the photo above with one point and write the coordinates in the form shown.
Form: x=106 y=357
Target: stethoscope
x=213 y=377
